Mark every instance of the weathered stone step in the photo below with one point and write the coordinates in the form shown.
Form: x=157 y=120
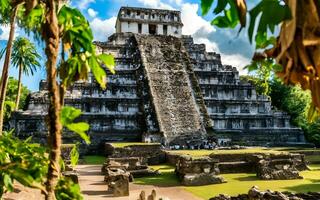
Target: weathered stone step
x=166 y=68
x=236 y=167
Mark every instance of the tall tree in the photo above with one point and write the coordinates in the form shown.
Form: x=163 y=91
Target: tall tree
x=12 y=7
x=70 y=27
x=25 y=58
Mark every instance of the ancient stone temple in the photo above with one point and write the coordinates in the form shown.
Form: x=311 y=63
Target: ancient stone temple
x=166 y=89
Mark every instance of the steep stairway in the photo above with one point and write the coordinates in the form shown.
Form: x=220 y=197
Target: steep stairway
x=176 y=105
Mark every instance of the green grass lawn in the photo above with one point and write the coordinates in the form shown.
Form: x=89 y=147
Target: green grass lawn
x=198 y=153
x=236 y=183
x=166 y=179
x=93 y=160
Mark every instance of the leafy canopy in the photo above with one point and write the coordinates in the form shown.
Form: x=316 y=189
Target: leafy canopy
x=24 y=55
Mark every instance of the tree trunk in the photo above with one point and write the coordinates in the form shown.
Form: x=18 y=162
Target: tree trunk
x=6 y=65
x=50 y=34
x=19 y=89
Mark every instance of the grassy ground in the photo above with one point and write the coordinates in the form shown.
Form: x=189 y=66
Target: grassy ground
x=93 y=160
x=198 y=153
x=166 y=179
x=241 y=183
x=236 y=183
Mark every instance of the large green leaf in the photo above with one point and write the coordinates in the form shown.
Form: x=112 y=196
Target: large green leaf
x=80 y=128
x=205 y=6
x=68 y=115
x=74 y=154
x=272 y=13
x=108 y=60
x=98 y=72
x=230 y=17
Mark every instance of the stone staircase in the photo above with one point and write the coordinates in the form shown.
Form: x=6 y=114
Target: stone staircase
x=177 y=108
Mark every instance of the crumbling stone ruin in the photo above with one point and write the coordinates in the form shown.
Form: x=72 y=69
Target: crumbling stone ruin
x=198 y=171
x=278 y=167
x=118 y=181
x=132 y=165
x=255 y=194
x=250 y=162
x=283 y=166
x=151 y=154
x=166 y=89
x=68 y=171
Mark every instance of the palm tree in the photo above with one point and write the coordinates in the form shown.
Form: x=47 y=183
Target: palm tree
x=8 y=14
x=25 y=58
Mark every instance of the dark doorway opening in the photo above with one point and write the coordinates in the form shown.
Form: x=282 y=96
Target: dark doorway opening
x=139 y=28
x=152 y=29
x=165 y=29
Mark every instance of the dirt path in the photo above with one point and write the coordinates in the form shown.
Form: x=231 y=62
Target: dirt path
x=94 y=188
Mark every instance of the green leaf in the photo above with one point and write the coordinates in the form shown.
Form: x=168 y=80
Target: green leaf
x=273 y=12
x=205 y=6
x=221 y=5
x=22 y=176
x=68 y=114
x=80 y=128
x=277 y=68
x=230 y=19
x=108 y=60
x=74 y=154
x=98 y=72
x=8 y=182
x=313 y=113
x=252 y=67
x=220 y=21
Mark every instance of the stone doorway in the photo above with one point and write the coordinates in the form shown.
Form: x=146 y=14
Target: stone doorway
x=152 y=29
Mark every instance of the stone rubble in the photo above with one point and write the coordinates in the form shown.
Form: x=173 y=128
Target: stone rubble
x=198 y=171
x=118 y=181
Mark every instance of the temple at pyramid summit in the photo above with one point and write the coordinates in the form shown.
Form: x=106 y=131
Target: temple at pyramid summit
x=166 y=89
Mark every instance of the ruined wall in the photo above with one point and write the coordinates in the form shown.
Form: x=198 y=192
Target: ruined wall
x=162 y=86
x=170 y=87
x=235 y=108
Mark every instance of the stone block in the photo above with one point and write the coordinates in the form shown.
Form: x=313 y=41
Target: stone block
x=201 y=179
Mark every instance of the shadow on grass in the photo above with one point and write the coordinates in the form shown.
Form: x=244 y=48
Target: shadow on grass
x=312 y=187
x=248 y=178
x=165 y=179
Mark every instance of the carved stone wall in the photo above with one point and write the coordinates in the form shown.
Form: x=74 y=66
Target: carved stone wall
x=165 y=90
x=165 y=66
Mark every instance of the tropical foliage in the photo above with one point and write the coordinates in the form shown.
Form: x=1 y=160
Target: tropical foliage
x=58 y=26
x=25 y=58
x=11 y=97
x=23 y=162
x=296 y=47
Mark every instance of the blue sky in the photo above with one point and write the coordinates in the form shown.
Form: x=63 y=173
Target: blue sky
x=235 y=50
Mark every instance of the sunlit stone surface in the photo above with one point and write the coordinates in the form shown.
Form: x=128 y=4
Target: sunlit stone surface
x=166 y=89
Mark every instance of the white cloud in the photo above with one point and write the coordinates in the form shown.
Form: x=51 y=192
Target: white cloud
x=92 y=13
x=204 y=33
x=103 y=28
x=83 y=4
x=156 y=4
x=5 y=30
x=192 y=22
x=236 y=60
